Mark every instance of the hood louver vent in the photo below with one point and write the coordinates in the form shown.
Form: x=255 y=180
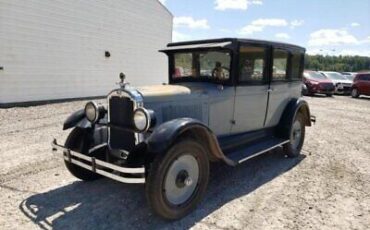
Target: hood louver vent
x=172 y=112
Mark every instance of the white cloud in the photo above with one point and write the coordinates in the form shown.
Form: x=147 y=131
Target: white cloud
x=177 y=36
x=337 y=52
x=260 y=24
x=190 y=22
x=250 y=29
x=282 y=36
x=269 y=22
x=355 y=24
x=235 y=4
x=331 y=37
x=296 y=23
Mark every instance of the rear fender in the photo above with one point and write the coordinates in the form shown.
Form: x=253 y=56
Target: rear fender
x=294 y=106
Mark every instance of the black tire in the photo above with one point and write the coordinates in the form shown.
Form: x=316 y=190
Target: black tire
x=293 y=149
x=155 y=183
x=355 y=93
x=75 y=142
x=329 y=94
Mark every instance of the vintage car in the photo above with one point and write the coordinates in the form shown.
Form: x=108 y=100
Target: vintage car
x=227 y=100
x=317 y=83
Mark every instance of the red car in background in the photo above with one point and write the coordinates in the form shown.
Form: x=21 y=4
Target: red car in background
x=317 y=83
x=361 y=85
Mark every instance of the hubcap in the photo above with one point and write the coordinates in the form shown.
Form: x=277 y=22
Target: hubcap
x=296 y=134
x=354 y=92
x=181 y=179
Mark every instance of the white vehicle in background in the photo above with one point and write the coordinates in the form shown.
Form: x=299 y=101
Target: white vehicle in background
x=349 y=75
x=342 y=84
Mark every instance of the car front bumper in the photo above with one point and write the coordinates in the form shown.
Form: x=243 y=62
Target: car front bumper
x=115 y=172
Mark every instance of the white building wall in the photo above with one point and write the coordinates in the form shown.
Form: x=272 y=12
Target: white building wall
x=55 y=49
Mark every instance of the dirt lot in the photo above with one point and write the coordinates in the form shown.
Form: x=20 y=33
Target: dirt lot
x=328 y=187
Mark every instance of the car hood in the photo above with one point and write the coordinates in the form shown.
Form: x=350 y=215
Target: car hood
x=163 y=90
x=341 y=81
x=171 y=92
x=320 y=80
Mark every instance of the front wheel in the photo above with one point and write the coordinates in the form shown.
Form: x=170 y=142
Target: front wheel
x=354 y=93
x=178 y=179
x=297 y=134
x=329 y=94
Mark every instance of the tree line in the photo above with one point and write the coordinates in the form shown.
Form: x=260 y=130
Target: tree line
x=337 y=63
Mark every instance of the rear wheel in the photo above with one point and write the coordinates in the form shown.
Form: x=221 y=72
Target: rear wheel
x=76 y=141
x=297 y=134
x=178 y=179
x=355 y=93
x=329 y=94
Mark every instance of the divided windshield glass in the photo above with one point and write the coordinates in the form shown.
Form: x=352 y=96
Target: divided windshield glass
x=201 y=66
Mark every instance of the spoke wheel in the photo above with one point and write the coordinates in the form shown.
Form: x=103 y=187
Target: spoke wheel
x=296 y=136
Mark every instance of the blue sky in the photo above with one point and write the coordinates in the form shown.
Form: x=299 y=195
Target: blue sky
x=334 y=27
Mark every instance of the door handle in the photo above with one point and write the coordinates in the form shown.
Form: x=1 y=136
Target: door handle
x=270 y=90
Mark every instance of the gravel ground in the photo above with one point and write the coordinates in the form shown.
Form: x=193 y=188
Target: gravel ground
x=328 y=187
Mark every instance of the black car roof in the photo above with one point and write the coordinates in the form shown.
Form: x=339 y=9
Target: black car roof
x=242 y=40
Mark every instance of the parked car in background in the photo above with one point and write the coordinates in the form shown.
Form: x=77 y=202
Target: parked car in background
x=317 y=83
x=341 y=83
x=361 y=85
x=349 y=75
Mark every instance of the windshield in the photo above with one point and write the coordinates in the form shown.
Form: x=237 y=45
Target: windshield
x=202 y=65
x=335 y=76
x=315 y=75
x=350 y=77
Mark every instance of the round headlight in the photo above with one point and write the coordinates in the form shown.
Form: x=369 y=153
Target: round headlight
x=141 y=120
x=92 y=111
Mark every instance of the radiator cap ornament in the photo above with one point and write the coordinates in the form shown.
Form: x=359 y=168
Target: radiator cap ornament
x=122 y=82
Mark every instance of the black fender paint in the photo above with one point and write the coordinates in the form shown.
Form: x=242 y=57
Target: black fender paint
x=290 y=113
x=165 y=135
x=77 y=119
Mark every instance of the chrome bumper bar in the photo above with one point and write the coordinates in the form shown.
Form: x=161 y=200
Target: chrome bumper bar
x=98 y=166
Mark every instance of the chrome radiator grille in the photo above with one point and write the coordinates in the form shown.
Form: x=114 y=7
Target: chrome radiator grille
x=120 y=116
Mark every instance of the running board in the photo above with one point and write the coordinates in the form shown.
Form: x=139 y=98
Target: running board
x=253 y=150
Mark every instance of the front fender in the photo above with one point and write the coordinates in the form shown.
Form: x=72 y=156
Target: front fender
x=77 y=119
x=165 y=135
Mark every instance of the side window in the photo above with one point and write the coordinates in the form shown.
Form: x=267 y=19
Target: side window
x=183 y=65
x=280 y=65
x=252 y=64
x=296 y=60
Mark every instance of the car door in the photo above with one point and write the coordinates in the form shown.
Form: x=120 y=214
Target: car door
x=251 y=89
x=285 y=83
x=366 y=83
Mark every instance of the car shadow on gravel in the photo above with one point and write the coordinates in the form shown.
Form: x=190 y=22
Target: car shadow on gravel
x=107 y=204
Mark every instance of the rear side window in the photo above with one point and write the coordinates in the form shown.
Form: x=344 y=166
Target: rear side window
x=364 y=77
x=280 y=65
x=252 y=64
x=296 y=69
